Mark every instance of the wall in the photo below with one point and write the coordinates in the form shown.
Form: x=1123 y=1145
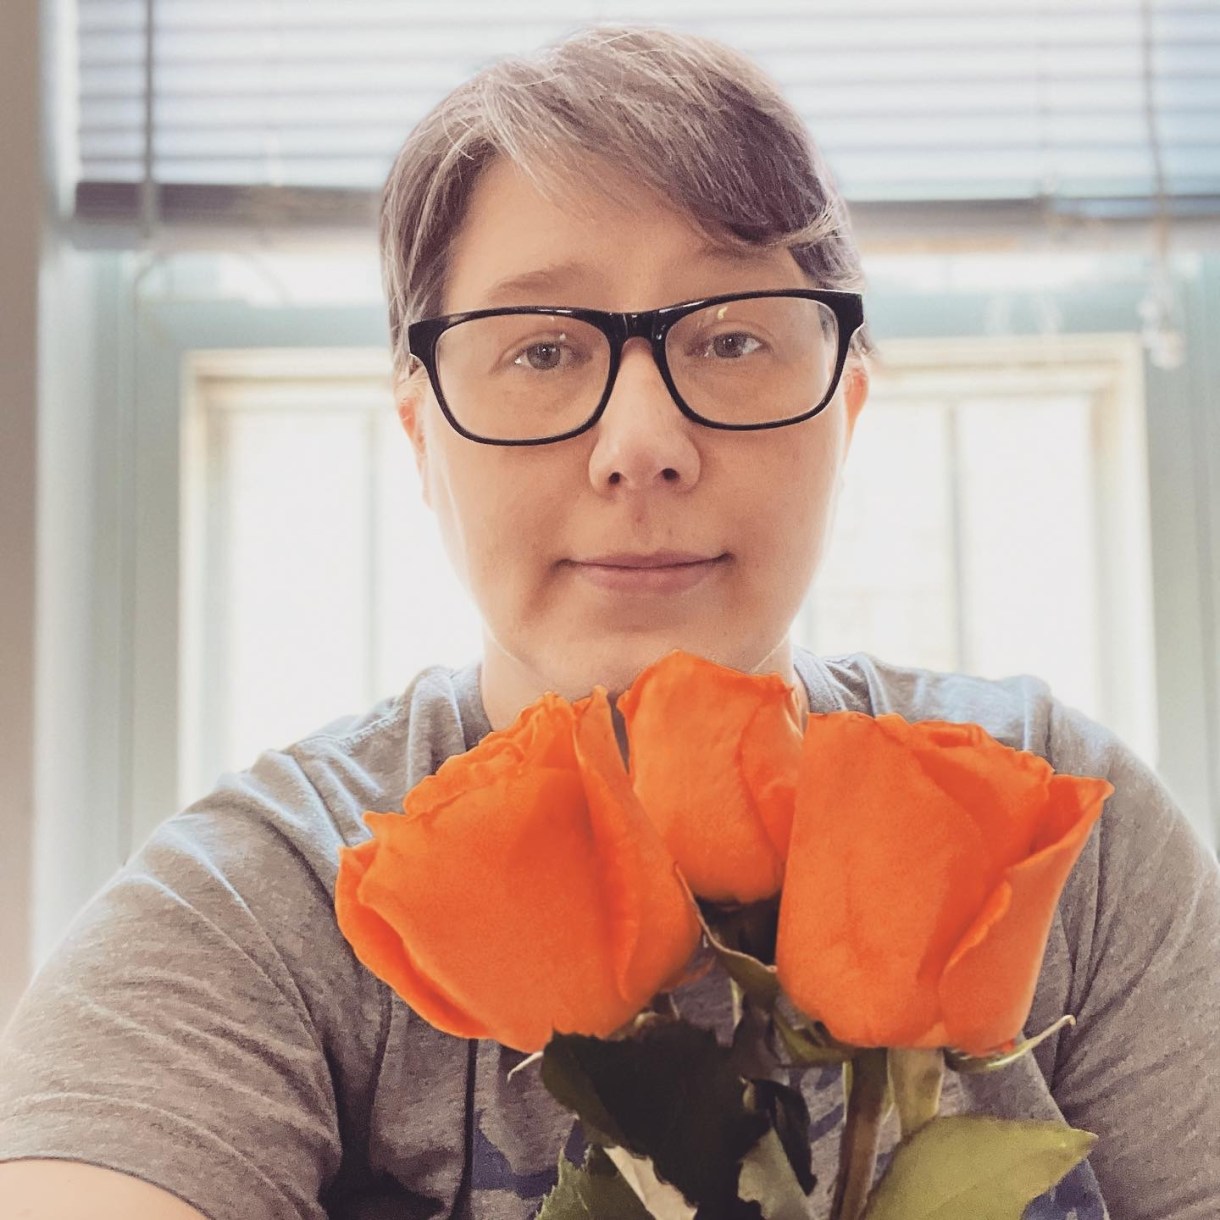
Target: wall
x=61 y=729
x=20 y=242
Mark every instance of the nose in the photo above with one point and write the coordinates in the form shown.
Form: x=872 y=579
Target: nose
x=643 y=441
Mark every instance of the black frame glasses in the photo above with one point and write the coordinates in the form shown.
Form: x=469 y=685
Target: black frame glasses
x=651 y=324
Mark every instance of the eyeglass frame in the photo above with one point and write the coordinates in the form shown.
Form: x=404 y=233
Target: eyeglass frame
x=651 y=324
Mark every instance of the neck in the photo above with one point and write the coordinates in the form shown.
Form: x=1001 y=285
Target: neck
x=509 y=684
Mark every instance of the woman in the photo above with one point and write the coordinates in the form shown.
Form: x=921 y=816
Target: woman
x=204 y=1042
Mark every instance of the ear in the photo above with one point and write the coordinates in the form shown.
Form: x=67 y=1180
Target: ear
x=410 y=398
x=855 y=391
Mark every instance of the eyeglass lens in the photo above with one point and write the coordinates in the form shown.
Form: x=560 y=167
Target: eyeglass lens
x=756 y=360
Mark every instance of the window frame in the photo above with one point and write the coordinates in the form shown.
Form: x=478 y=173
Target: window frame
x=1184 y=523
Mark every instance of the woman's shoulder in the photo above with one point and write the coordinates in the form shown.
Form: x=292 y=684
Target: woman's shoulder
x=289 y=812
x=1018 y=710
x=372 y=758
x=316 y=788
x=1142 y=833
x=211 y=966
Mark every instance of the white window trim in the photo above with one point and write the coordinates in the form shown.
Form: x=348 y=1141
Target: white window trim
x=215 y=382
x=1108 y=368
x=150 y=763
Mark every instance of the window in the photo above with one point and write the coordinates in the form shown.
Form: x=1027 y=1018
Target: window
x=316 y=578
x=994 y=521
x=992 y=490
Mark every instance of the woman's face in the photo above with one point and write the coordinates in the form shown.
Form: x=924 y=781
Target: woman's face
x=526 y=526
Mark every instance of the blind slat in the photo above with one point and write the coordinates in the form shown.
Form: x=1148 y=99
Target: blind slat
x=947 y=100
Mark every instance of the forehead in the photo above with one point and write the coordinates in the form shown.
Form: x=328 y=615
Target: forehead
x=593 y=238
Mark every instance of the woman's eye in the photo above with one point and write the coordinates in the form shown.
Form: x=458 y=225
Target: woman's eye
x=731 y=346
x=542 y=357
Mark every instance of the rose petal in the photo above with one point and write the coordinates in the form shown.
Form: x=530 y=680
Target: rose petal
x=1005 y=791
x=882 y=880
x=989 y=982
x=493 y=894
x=707 y=745
x=640 y=891
x=378 y=947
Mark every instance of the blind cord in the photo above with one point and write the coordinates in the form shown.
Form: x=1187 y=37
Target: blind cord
x=149 y=199
x=1162 y=331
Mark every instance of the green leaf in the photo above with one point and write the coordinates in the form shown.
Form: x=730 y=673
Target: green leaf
x=972 y=1167
x=767 y=1179
x=596 y=1191
x=667 y=1092
x=566 y=1077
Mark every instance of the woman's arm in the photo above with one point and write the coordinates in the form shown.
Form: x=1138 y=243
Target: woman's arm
x=183 y=1032
x=1140 y=1069
x=71 y=1190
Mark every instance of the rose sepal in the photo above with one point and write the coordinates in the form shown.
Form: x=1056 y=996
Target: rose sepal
x=973 y=1065
x=725 y=931
x=754 y=981
x=807 y=1042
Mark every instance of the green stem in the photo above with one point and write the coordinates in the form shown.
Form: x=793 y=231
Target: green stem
x=861 y=1131
x=916 y=1077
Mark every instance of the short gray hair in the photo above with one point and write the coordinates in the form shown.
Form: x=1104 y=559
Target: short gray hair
x=689 y=118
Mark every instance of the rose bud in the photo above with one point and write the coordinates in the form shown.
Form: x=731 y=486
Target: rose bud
x=713 y=758
x=523 y=890
x=924 y=869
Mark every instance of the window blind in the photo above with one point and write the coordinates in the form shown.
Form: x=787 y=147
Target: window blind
x=232 y=109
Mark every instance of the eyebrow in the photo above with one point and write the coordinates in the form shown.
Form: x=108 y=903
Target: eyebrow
x=733 y=255
x=541 y=279
x=559 y=275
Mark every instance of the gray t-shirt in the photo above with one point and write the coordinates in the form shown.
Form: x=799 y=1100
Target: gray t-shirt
x=204 y=1026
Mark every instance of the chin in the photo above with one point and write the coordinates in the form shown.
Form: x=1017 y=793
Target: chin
x=616 y=664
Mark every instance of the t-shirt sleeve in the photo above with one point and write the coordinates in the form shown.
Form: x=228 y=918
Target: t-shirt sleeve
x=180 y=1031
x=1140 y=1068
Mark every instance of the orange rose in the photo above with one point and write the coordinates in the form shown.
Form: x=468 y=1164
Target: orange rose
x=925 y=866
x=524 y=891
x=713 y=758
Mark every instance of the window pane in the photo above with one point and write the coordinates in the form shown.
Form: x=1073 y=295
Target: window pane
x=992 y=521
x=421 y=613
x=887 y=583
x=296 y=570
x=1028 y=568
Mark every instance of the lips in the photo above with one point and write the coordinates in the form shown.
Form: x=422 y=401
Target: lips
x=658 y=559
x=639 y=575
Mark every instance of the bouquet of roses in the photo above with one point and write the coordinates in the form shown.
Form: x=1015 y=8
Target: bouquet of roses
x=874 y=893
